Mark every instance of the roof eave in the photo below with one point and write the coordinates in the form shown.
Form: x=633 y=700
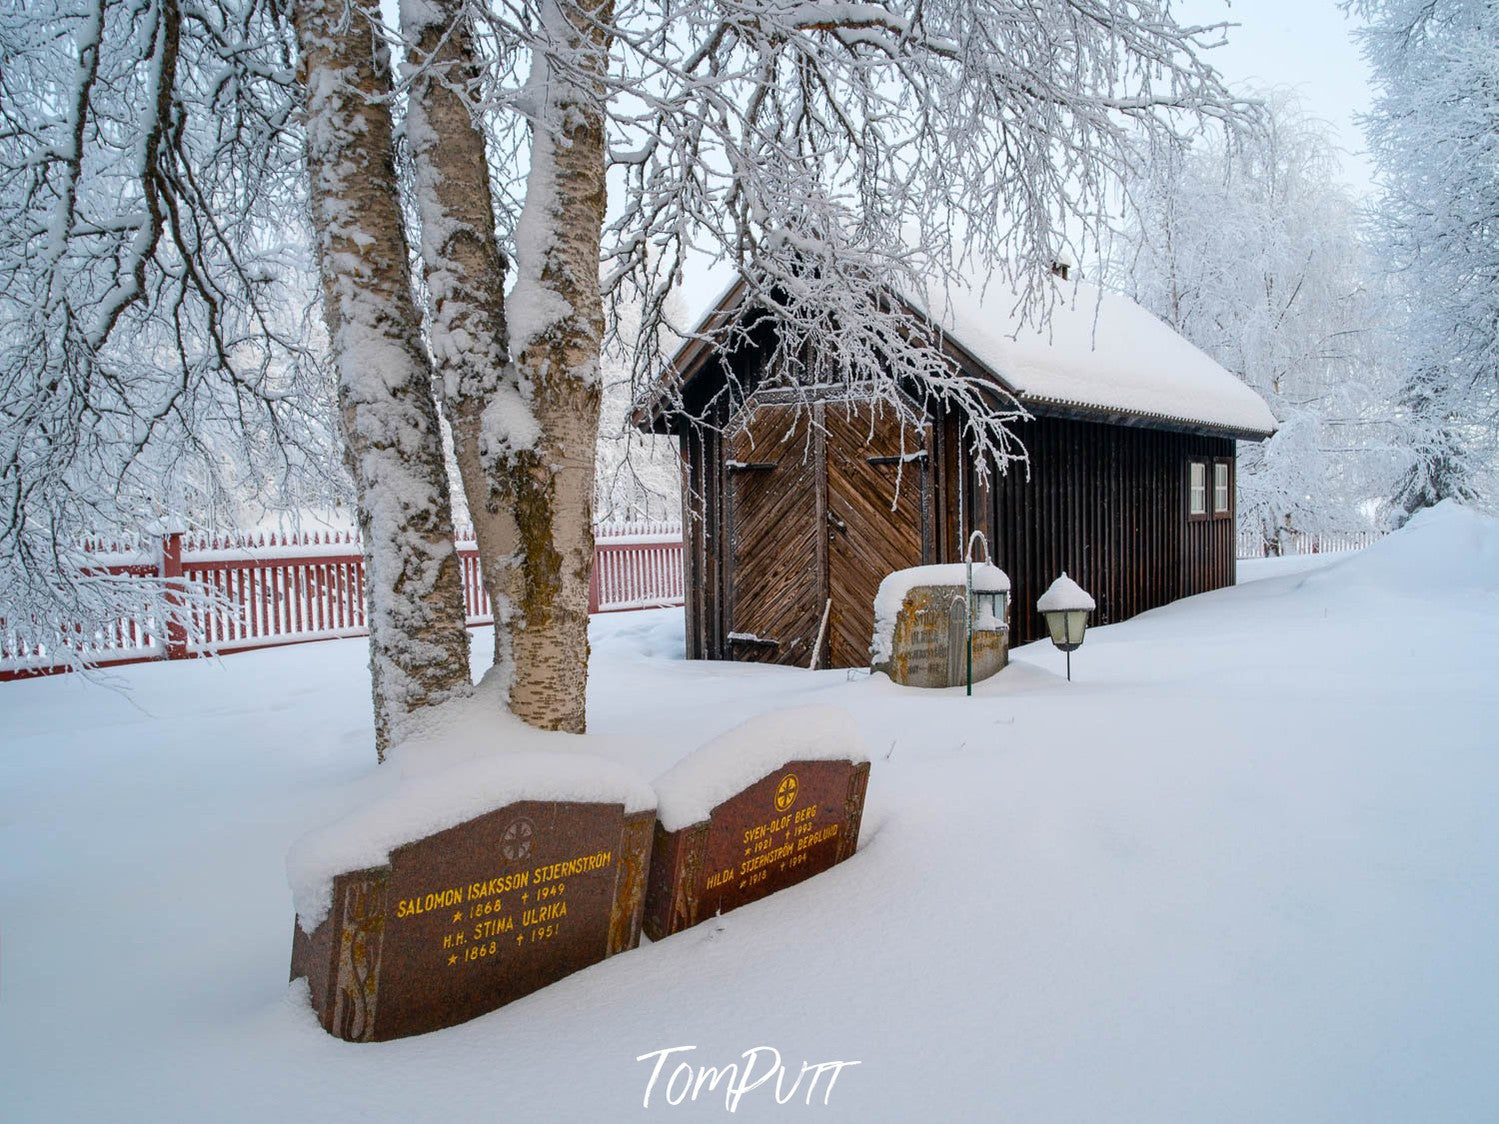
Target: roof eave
x=650 y=414
x=1081 y=411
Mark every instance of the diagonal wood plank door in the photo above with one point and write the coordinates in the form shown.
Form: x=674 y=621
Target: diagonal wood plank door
x=877 y=502
x=774 y=580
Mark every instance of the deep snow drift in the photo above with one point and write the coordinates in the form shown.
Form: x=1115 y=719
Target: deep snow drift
x=1244 y=867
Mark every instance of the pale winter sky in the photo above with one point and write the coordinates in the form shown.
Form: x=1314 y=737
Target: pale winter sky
x=1304 y=44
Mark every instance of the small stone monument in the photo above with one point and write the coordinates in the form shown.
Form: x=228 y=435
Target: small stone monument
x=468 y=889
x=921 y=624
x=763 y=807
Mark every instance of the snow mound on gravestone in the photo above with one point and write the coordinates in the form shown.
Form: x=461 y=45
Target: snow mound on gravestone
x=1064 y=595
x=430 y=802
x=688 y=792
x=987 y=578
x=1448 y=547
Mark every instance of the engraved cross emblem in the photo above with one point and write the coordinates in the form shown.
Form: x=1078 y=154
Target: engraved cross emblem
x=786 y=792
x=515 y=843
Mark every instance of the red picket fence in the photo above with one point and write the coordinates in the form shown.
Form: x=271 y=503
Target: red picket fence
x=636 y=566
x=243 y=592
x=1252 y=544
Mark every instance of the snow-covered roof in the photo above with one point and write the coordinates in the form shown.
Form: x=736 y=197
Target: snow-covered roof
x=1098 y=351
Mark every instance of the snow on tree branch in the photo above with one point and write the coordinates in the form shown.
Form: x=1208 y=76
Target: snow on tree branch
x=155 y=351
x=834 y=154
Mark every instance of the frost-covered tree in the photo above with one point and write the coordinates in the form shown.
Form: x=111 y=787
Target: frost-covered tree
x=155 y=354
x=1251 y=251
x=393 y=446
x=830 y=153
x=1434 y=136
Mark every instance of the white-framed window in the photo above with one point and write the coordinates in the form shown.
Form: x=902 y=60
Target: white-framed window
x=1221 y=493
x=1197 y=490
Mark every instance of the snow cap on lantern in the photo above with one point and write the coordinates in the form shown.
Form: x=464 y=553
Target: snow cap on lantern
x=1066 y=606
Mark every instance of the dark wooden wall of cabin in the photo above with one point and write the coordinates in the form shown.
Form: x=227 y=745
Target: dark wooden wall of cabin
x=1107 y=504
x=704 y=538
x=703 y=489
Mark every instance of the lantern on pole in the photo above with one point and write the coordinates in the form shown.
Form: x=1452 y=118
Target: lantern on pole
x=1066 y=606
x=987 y=610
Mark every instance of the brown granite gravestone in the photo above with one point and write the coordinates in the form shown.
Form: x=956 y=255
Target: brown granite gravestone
x=793 y=823
x=929 y=645
x=469 y=918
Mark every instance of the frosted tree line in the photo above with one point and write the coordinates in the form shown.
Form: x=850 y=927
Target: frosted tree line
x=1251 y=248
x=168 y=164
x=1434 y=135
x=1372 y=331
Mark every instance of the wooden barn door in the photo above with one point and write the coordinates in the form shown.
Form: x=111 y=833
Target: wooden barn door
x=774 y=588
x=877 y=488
x=818 y=514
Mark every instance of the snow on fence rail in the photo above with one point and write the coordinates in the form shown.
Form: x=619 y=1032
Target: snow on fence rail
x=1253 y=545
x=240 y=592
x=636 y=566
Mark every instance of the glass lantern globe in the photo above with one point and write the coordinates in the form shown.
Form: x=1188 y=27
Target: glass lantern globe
x=988 y=610
x=1066 y=627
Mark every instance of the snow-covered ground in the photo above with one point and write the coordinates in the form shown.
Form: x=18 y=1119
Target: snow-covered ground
x=1244 y=867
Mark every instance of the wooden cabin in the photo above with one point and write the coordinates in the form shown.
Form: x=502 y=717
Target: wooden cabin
x=793 y=513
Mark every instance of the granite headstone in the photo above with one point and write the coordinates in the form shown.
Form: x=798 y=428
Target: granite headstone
x=927 y=645
x=473 y=916
x=800 y=817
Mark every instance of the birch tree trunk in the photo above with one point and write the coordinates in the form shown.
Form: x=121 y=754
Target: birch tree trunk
x=418 y=643
x=465 y=274
x=556 y=329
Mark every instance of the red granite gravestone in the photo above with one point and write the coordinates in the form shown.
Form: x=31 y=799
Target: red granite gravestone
x=794 y=822
x=471 y=917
